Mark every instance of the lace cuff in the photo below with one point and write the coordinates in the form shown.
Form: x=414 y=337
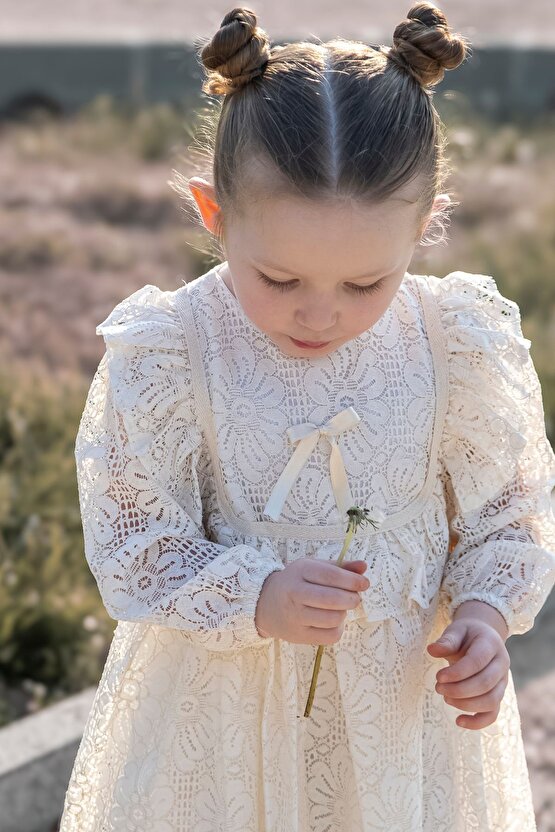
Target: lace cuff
x=498 y=468
x=137 y=450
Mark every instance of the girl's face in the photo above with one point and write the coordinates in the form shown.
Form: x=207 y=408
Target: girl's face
x=314 y=273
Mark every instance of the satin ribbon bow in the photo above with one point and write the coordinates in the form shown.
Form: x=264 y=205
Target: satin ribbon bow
x=307 y=435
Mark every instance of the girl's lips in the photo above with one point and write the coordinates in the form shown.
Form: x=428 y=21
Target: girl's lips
x=308 y=344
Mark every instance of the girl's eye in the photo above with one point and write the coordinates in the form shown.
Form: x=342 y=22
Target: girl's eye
x=283 y=286
x=373 y=287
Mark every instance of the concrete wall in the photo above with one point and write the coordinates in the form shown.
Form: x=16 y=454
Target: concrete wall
x=36 y=757
x=503 y=82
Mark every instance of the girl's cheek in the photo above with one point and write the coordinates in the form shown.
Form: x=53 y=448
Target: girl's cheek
x=365 y=316
x=256 y=305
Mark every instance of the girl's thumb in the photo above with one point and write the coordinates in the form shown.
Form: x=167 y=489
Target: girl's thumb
x=445 y=642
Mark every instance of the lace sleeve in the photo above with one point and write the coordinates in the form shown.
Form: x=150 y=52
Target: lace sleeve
x=497 y=465
x=136 y=451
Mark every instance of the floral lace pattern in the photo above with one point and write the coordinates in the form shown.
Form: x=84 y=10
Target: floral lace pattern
x=498 y=467
x=197 y=721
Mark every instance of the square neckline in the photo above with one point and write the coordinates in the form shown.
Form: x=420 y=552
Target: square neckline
x=285 y=530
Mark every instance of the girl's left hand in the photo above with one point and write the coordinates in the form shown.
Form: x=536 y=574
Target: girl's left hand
x=478 y=673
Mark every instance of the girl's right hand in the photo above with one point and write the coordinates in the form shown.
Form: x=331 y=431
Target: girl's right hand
x=307 y=601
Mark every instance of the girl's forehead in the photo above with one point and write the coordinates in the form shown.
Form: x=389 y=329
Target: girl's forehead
x=288 y=224
x=267 y=205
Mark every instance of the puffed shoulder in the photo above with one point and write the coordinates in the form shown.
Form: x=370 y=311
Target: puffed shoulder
x=149 y=376
x=494 y=428
x=149 y=317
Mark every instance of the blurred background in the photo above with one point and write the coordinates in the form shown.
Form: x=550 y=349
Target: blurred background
x=98 y=106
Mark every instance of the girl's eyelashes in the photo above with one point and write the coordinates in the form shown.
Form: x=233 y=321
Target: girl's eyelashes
x=373 y=287
x=281 y=287
x=284 y=286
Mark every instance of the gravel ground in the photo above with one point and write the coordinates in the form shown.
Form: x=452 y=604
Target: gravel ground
x=533 y=668
x=536 y=704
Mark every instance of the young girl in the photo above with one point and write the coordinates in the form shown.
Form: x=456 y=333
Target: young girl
x=230 y=425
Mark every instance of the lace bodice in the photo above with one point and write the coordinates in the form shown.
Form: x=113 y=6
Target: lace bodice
x=187 y=437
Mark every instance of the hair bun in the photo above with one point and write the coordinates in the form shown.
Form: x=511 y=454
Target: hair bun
x=423 y=44
x=238 y=52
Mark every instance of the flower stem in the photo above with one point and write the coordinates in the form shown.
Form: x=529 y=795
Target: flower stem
x=357 y=517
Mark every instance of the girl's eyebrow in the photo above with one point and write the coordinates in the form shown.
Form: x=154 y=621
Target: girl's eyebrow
x=293 y=274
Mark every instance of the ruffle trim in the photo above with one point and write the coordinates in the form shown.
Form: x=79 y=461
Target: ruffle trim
x=513 y=576
x=147 y=318
x=491 y=387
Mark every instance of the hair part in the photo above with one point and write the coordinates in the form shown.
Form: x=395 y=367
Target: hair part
x=326 y=121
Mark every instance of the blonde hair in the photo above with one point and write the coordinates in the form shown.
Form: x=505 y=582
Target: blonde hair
x=341 y=119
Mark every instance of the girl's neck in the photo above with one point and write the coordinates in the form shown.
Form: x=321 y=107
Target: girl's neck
x=223 y=271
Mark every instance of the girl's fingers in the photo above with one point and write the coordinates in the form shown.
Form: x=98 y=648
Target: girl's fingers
x=359 y=566
x=478 y=720
x=476 y=685
x=482 y=703
x=477 y=657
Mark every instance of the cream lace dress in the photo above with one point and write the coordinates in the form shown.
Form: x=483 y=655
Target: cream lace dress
x=208 y=459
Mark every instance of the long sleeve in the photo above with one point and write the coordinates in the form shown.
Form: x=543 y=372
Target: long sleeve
x=497 y=465
x=137 y=451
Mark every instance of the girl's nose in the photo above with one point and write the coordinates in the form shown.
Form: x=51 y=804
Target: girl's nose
x=318 y=319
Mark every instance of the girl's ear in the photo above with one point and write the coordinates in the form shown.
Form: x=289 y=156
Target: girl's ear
x=439 y=202
x=441 y=199
x=203 y=192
